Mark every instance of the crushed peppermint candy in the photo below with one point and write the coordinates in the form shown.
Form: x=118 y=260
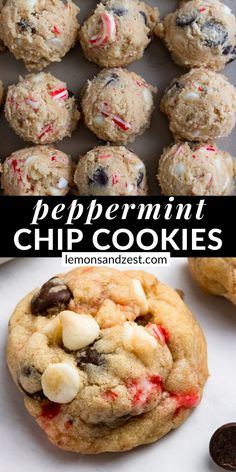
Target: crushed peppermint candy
x=61 y=93
x=115 y=118
x=56 y=30
x=47 y=129
x=33 y=103
x=107 y=32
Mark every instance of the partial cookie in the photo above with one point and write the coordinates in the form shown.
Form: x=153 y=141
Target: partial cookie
x=118 y=105
x=41 y=109
x=200 y=105
x=196 y=169
x=2 y=46
x=1 y=92
x=105 y=359
x=215 y=275
x=110 y=170
x=40 y=31
x=40 y=170
x=117 y=33
x=200 y=34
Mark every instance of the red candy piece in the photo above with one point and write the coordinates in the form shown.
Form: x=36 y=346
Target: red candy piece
x=55 y=30
x=50 y=410
x=59 y=93
x=160 y=333
x=186 y=400
x=201 y=10
x=110 y=395
x=47 y=129
x=16 y=169
x=115 y=179
x=108 y=30
x=105 y=156
x=121 y=123
x=142 y=390
x=211 y=148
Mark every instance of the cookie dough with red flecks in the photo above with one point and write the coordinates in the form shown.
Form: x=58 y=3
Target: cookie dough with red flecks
x=196 y=169
x=1 y=92
x=215 y=275
x=200 y=106
x=110 y=170
x=39 y=170
x=41 y=109
x=39 y=31
x=118 y=32
x=106 y=360
x=118 y=105
x=200 y=34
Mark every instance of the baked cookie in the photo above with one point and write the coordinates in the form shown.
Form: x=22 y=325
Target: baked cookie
x=41 y=109
x=117 y=33
x=107 y=360
x=200 y=34
x=196 y=169
x=215 y=275
x=2 y=46
x=39 y=170
x=39 y=32
x=110 y=170
x=200 y=105
x=118 y=105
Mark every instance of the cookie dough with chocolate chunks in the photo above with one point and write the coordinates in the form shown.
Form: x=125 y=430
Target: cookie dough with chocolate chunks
x=110 y=170
x=215 y=275
x=196 y=169
x=39 y=31
x=105 y=359
x=200 y=34
x=41 y=109
x=117 y=105
x=200 y=106
x=118 y=32
x=39 y=170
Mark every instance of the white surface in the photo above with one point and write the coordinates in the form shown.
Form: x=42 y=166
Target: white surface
x=24 y=447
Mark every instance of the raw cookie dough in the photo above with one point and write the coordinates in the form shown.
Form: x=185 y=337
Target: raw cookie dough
x=118 y=105
x=39 y=31
x=110 y=170
x=200 y=34
x=1 y=92
x=39 y=170
x=118 y=32
x=2 y=47
x=196 y=169
x=215 y=275
x=107 y=360
x=200 y=105
x=41 y=109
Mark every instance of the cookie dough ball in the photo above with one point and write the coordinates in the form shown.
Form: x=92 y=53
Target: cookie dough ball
x=200 y=105
x=41 y=109
x=39 y=170
x=196 y=169
x=1 y=92
x=110 y=170
x=106 y=360
x=118 y=32
x=200 y=34
x=39 y=31
x=2 y=47
x=117 y=105
x=215 y=275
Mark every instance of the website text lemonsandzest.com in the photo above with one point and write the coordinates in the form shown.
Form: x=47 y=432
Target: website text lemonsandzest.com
x=109 y=259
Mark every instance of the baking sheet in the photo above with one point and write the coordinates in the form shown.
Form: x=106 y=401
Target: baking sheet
x=156 y=67
x=24 y=447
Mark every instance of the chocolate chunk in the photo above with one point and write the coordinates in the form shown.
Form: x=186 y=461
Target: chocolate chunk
x=99 y=177
x=214 y=34
x=119 y=11
x=174 y=87
x=186 y=20
x=89 y=356
x=223 y=446
x=144 y=17
x=140 y=178
x=143 y=320
x=111 y=79
x=54 y=294
x=24 y=25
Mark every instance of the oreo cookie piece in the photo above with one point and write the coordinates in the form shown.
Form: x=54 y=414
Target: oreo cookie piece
x=223 y=446
x=186 y=20
x=214 y=34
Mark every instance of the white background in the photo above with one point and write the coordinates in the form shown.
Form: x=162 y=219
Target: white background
x=24 y=447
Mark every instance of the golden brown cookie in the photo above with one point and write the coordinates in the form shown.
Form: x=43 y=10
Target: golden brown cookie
x=216 y=275
x=107 y=360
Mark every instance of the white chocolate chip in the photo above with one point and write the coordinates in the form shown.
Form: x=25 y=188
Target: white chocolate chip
x=61 y=382
x=138 y=341
x=147 y=95
x=191 y=96
x=78 y=330
x=55 y=42
x=63 y=183
x=99 y=120
x=226 y=10
x=179 y=169
x=53 y=329
x=140 y=297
